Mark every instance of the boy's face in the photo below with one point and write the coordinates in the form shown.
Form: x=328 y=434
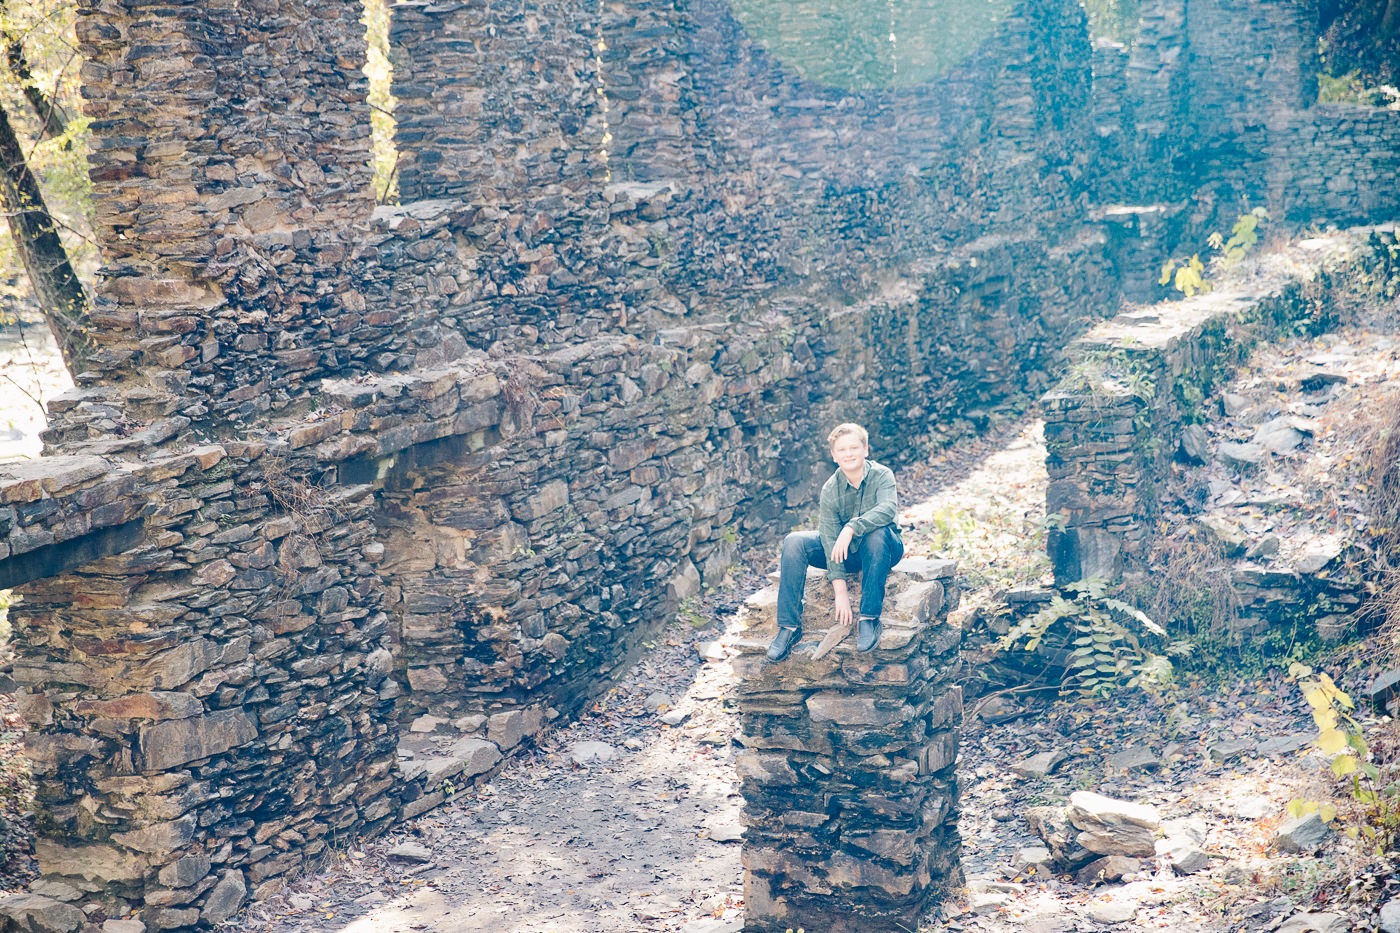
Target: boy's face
x=849 y=452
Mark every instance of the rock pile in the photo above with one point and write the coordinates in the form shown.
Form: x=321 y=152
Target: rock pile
x=850 y=799
x=1097 y=838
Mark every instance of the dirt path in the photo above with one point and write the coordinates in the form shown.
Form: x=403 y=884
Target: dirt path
x=645 y=841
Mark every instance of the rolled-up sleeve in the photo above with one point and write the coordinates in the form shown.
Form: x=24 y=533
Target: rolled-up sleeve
x=884 y=509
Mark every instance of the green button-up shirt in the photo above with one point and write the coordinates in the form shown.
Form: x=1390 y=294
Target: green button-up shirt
x=862 y=509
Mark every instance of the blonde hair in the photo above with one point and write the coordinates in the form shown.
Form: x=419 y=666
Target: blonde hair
x=849 y=427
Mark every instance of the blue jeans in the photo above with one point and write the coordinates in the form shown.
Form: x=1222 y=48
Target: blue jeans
x=871 y=555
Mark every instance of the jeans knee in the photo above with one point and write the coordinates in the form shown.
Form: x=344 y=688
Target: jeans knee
x=793 y=545
x=882 y=546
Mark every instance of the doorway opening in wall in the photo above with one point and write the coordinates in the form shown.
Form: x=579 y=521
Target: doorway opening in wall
x=1359 y=53
x=46 y=205
x=380 y=72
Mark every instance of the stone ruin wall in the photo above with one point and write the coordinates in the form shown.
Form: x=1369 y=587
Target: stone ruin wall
x=1116 y=423
x=1212 y=111
x=334 y=466
x=713 y=279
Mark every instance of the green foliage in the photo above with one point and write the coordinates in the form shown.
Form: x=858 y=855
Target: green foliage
x=996 y=546
x=1353 y=88
x=1188 y=276
x=44 y=31
x=1108 y=375
x=1339 y=736
x=1107 y=639
x=1244 y=236
x=949 y=523
x=692 y=613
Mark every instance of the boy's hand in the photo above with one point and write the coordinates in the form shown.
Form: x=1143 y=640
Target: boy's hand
x=844 y=616
x=842 y=547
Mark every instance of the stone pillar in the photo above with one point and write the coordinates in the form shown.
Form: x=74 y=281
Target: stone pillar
x=850 y=796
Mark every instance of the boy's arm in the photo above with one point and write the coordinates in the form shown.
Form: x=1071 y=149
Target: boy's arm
x=830 y=529
x=883 y=511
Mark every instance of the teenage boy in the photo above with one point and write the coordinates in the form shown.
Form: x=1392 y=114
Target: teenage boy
x=856 y=533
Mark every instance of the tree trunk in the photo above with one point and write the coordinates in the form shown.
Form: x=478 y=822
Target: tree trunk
x=56 y=286
x=53 y=122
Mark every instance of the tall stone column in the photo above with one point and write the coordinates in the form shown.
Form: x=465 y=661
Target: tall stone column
x=850 y=795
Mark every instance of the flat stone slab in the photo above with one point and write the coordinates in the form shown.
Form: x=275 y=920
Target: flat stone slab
x=1114 y=827
x=592 y=753
x=1139 y=758
x=1284 y=744
x=1041 y=765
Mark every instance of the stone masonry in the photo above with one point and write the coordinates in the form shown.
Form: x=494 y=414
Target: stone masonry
x=850 y=797
x=335 y=466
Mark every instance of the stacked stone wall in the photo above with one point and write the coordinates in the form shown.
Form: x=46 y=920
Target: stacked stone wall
x=1328 y=163
x=1221 y=96
x=532 y=553
x=1115 y=423
x=335 y=467
x=232 y=187
x=850 y=794
x=215 y=683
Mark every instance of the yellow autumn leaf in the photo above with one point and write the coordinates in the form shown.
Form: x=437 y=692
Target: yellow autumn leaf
x=1343 y=765
x=1332 y=741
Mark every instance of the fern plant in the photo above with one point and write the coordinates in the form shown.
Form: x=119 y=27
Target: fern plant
x=1107 y=639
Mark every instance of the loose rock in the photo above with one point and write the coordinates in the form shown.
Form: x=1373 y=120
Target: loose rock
x=593 y=753
x=1302 y=835
x=1108 y=868
x=411 y=852
x=1113 y=827
x=1390 y=917
x=1315 y=923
